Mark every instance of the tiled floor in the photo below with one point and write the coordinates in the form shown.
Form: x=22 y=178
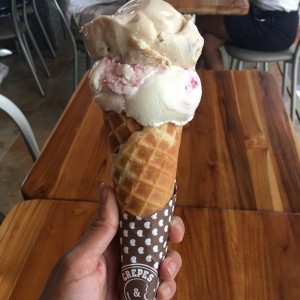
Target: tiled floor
x=42 y=113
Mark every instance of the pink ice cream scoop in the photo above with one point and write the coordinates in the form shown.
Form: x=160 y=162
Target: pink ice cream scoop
x=152 y=96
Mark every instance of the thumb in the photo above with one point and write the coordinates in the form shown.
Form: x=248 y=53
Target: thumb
x=105 y=225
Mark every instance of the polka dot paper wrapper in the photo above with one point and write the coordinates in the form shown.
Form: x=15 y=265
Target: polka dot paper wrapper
x=144 y=244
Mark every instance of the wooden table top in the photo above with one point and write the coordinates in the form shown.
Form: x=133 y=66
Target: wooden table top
x=211 y=7
x=227 y=254
x=240 y=150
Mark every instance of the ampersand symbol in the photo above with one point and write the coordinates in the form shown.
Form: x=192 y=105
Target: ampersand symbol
x=136 y=293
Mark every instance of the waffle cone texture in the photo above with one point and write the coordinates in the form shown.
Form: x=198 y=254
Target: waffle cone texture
x=144 y=163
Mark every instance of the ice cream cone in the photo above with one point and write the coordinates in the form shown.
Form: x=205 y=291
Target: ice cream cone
x=145 y=55
x=119 y=128
x=144 y=163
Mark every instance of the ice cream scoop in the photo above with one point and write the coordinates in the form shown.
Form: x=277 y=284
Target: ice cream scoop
x=148 y=32
x=152 y=96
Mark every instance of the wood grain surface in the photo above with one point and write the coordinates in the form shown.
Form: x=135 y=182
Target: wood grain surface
x=240 y=150
x=211 y=7
x=236 y=255
x=32 y=238
x=76 y=158
x=227 y=254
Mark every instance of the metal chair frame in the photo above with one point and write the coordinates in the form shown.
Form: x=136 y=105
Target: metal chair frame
x=289 y=56
x=20 y=28
x=37 y=15
x=20 y=120
x=75 y=53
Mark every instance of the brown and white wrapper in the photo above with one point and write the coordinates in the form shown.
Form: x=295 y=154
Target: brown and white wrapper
x=144 y=244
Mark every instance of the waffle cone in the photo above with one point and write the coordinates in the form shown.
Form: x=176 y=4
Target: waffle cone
x=144 y=163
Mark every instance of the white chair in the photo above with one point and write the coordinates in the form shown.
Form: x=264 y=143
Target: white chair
x=18 y=117
x=289 y=56
x=14 y=27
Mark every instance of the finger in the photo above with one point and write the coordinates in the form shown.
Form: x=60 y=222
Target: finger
x=166 y=290
x=177 y=229
x=105 y=225
x=170 y=266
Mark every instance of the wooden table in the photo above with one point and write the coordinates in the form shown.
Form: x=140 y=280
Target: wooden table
x=235 y=254
x=240 y=151
x=211 y=7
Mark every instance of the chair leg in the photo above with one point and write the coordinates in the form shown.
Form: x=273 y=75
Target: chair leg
x=37 y=15
x=232 y=62
x=24 y=50
x=18 y=117
x=75 y=54
x=240 y=65
x=23 y=36
x=34 y=42
x=29 y=62
x=293 y=91
x=284 y=78
x=28 y=50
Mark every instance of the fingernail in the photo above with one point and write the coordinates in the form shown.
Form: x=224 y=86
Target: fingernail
x=174 y=222
x=171 y=267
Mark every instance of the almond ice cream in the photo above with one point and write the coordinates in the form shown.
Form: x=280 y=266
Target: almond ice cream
x=143 y=32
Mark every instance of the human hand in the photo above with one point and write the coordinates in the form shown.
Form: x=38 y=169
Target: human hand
x=91 y=269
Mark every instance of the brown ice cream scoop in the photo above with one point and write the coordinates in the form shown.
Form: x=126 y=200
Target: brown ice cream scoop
x=145 y=32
